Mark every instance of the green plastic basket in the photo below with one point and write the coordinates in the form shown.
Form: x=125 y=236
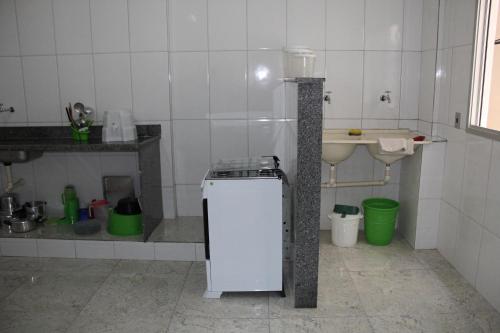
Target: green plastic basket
x=380 y=220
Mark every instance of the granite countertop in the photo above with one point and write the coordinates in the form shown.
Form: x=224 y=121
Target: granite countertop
x=58 y=139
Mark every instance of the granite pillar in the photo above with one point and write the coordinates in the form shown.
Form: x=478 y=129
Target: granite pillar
x=307 y=191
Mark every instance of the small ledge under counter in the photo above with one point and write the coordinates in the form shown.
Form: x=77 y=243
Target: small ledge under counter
x=55 y=139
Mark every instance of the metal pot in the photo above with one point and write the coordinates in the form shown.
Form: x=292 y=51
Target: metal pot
x=35 y=210
x=21 y=225
x=8 y=203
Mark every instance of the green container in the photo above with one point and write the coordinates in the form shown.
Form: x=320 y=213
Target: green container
x=81 y=135
x=380 y=220
x=124 y=225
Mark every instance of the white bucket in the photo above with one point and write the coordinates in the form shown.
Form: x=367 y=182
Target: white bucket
x=299 y=62
x=345 y=229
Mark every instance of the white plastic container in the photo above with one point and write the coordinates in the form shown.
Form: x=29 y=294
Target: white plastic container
x=299 y=62
x=345 y=229
x=118 y=126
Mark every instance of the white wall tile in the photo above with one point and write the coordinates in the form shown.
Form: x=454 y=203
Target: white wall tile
x=477 y=164
x=191 y=150
x=112 y=82
x=389 y=191
x=227 y=32
x=50 y=177
x=94 y=249
x=188 y=200
x=188 y=25
x=266 y=24
x=427 y=223
x=148 y=25
x=352 y=196
x=72 y=26
x=326 y=207
x=410 y=85
x=134 y=250
x=412 y=30
x=428 y=75
x=409 y=124
x=175 y=251
x=265 y=89
x=85 y=175
x=150 y=86
x=383 y=25
x=382 y=72
x=467 y=251
x=267 y=138
x=442 y=86
x=430 y=19
x=460 y=83
x=306 y=23
x=454 y=167
x=345 y=24
x=166 y=154
x=18 y=247
x=56 y=248
x=492 y=213
x=465 y=14
x=228 y=85
x=380 y=123
x=80 y=90
x=229 y=139
x=344 y=78
x=341 y=123
x=36 y=27
x=8 y=29
x=190 y=89
x=42 y=90
x=447 y=232
x=488 y=269
x=431 y=174
x=110 y=26
x=12 y=89
x=169 y=209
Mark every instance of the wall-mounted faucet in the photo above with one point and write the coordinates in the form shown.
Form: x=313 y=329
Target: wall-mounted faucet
x=327 y=97
x=386 y=97
x=6 y=109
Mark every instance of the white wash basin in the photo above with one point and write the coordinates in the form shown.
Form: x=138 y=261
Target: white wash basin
x=338 y=145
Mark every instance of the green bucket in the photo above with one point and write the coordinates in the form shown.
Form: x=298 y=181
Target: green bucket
x=124 y=225
x=380 y=220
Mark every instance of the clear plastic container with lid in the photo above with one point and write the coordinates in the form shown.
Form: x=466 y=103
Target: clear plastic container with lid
x=299 y=62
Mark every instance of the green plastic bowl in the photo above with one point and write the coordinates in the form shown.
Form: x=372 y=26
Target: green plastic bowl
x=124 y=225
x=380 y=220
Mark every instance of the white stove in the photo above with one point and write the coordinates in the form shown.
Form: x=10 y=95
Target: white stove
x=243 y=220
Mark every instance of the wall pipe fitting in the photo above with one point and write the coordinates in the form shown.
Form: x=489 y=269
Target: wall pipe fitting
x=332 y=182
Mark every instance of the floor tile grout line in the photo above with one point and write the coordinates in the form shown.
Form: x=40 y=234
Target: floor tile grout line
x=94 y=294
x=174 y=311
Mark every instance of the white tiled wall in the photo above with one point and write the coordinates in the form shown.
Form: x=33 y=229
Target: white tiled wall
x=207 y=70
x=469 y=228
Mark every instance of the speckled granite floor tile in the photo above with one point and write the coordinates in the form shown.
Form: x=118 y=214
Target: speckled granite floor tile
x=196 y=324
x=321 y=325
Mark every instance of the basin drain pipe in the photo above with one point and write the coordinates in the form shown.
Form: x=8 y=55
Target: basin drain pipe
x=10 y=184
x=332 y=182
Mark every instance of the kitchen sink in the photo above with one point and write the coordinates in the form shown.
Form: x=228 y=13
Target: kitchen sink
x=18 y=156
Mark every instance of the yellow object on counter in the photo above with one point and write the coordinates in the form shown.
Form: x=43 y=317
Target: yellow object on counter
x=355 y=132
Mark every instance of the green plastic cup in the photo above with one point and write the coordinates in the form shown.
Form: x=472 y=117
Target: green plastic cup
x=380 y=220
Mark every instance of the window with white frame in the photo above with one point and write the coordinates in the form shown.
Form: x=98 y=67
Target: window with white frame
x=484 y=114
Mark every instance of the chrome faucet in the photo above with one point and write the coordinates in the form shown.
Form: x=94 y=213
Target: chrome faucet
x=6 y=108
x=386 y=97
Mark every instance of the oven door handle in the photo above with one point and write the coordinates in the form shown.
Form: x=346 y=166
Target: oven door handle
x=205 y=229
